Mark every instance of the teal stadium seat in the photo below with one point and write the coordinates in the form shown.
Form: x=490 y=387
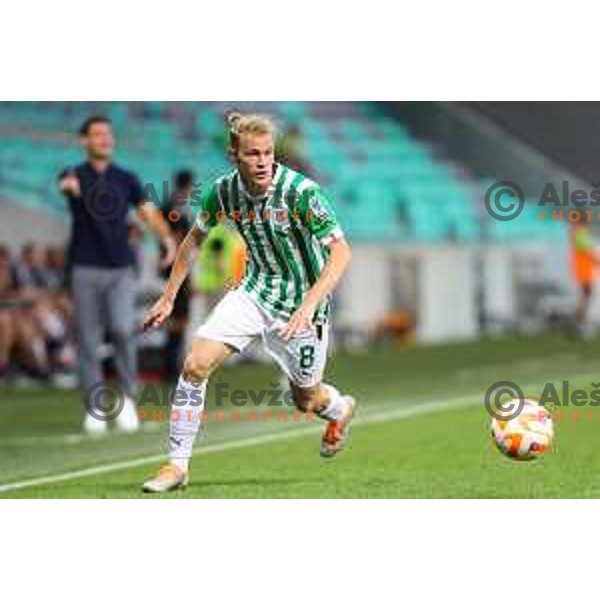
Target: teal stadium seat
x=384 y=184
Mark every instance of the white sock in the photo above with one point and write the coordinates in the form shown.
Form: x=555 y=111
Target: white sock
x=337 y=404
x=183 y=430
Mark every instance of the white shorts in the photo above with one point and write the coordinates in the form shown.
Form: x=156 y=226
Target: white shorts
x=237 y=320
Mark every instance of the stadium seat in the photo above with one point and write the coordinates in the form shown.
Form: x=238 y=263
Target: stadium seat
x=384 y=183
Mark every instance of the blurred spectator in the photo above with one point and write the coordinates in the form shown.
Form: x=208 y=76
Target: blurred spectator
x=290 y=150
x=7 y=325
x=101 y=260
x=21 y=337
x=61 y=336
x=584 y=261
x=40 y=279
x=28 y=269
x=54 y=269
x=176 y=211
x=219 y=264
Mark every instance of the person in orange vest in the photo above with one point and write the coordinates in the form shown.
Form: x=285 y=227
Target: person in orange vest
x=584 y=261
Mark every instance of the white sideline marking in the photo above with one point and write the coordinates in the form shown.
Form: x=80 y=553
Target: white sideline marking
x=396 y=414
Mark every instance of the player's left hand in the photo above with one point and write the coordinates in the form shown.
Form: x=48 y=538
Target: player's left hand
x=301 y=319
x=170 y=251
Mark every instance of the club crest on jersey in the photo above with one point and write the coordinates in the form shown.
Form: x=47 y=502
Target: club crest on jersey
x=317 y=208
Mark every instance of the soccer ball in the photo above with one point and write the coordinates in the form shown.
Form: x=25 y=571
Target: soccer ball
x=526 y=436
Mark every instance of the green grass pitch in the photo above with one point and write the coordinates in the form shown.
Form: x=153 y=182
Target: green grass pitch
x=421 y=432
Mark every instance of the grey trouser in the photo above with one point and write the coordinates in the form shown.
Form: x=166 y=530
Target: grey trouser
x=105 y=302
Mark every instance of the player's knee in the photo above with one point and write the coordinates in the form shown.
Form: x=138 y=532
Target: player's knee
x=197 y=367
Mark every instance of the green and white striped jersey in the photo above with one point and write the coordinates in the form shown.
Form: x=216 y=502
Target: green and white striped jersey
x=286 y=234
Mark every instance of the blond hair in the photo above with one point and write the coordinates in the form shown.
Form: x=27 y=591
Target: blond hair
x=240 y=124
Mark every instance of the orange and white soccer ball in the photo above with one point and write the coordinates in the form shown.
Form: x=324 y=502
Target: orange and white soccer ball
x=528 y=435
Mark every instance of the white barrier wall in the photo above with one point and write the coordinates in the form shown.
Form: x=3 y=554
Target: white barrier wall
x=365 y=293
x=446 y=288
x=446 y=295
x=443 y=290
x=450 y=289
x=499 y=297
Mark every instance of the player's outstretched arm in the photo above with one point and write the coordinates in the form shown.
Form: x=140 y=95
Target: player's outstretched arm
x=336 y=265
x=162 y=308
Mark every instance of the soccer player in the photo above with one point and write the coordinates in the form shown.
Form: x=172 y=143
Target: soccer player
x=293 y=266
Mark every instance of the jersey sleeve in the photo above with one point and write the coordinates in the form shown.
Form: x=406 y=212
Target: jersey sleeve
x=318 y=216
x=207 y=215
